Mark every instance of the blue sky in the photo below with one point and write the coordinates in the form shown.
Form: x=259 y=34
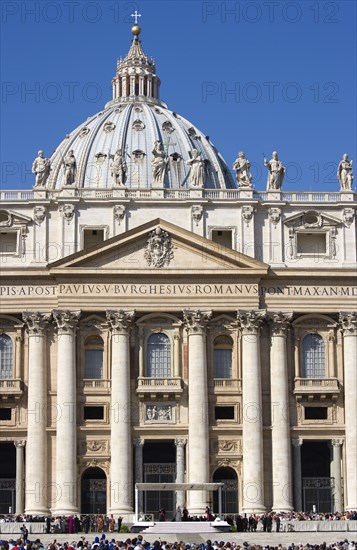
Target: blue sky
x=253 y=75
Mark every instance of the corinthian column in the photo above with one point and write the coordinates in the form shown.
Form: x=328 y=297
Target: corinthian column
x=139 y=444
x=253 y=474
x=180 y=470
x=198 y=438
x=336 y=468
x=121 y=467
x=36 y=456
x=281 y=447
x=297 y=442
x=20 y=446
x=348 y=322
x=66 y=453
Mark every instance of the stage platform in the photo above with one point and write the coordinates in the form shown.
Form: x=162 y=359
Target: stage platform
x=177 y=527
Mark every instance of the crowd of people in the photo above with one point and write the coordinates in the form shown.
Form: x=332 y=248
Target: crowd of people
x=138 y=543
x=102 y=523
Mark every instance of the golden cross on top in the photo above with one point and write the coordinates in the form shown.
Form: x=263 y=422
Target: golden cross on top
x=136 y=14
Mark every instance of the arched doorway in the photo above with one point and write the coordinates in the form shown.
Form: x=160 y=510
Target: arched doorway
x=229 y=491
x=94 y=491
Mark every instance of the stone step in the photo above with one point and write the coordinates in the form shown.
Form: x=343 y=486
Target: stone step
x=183 y=527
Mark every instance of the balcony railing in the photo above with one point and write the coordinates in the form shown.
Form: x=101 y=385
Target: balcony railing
x=97 y=385
x=103 y=194
x=317 y=386
x=147 y=386
x=11 y=388
x=227 y=385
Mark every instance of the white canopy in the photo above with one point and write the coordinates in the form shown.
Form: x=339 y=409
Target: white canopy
x=178 y=486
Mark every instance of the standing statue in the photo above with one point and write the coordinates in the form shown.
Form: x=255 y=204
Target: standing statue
x=345 y=173
x=118 y=168
x=70 y=168
x=197 y=172
x=276 y=172
x=41 y=167
x=158 y=163
x=242 y=166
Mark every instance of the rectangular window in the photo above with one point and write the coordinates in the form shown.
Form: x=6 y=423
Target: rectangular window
x=224 y=413
x=5 y=413
x=315 y=413
x=93 y=364
x=311 y=244
x=222 y=237
x=8 y=242
x=92 y=237
x=223 y=363
x=93 y=413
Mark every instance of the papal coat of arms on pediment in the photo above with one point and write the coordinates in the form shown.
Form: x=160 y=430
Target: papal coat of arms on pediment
x=158 y=248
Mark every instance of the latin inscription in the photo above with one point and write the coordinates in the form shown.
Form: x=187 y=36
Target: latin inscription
x=175 y=290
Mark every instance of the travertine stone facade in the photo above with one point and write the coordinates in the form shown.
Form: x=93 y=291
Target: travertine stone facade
x=160 y=322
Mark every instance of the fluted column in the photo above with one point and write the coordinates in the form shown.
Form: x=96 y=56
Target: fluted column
x=336 y=471
x=66 y=426
x=121 y=467
x=180 y=470
x=281 y=446
x=20 y=466
x=36 y=455
x=198 y=440
x=348 y=323
x=139 y=477
x=253 y=468
x=297 y=474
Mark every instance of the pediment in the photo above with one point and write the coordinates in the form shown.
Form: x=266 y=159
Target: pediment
x=10 y=218
x=161 y=247
x=310 y=219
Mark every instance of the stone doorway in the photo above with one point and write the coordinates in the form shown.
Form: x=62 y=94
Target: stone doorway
x=229 y=491
x=317 y=483
x=7 y=478
x=159 y=467
x=94 y=491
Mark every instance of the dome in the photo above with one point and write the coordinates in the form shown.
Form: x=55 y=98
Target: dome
x=137 y=142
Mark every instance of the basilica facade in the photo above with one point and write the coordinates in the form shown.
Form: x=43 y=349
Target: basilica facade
x=162 y=321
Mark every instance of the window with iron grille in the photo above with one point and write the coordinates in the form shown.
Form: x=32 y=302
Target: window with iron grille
x=313 y=356
x=5 y=357
x=93 y=358
x=159 y=356
x=223 y=357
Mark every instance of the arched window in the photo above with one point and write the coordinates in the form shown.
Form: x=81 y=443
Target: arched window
x=93 y=358
x=5 y=357
x=159 y=356
x=313 y=356
x=223 y=357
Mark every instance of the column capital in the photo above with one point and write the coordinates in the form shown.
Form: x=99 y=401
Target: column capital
x=180 y=442
x=336 y=442
x=19 y=443
x=280 y=323
x=36 y=322
x=348 y=322
x=120 y=321
x=66 y=321
x=195 y=320
x=297 y=441
x=250 y=321
x=139 y=442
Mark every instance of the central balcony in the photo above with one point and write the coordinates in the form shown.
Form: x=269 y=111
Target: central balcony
x=312 y=388
x=164 y=388
x=11 y=389
x=226 y=386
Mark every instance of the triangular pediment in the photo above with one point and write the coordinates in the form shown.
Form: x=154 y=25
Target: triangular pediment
x=311 y=219
x=160 y=246
x=10 y=218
